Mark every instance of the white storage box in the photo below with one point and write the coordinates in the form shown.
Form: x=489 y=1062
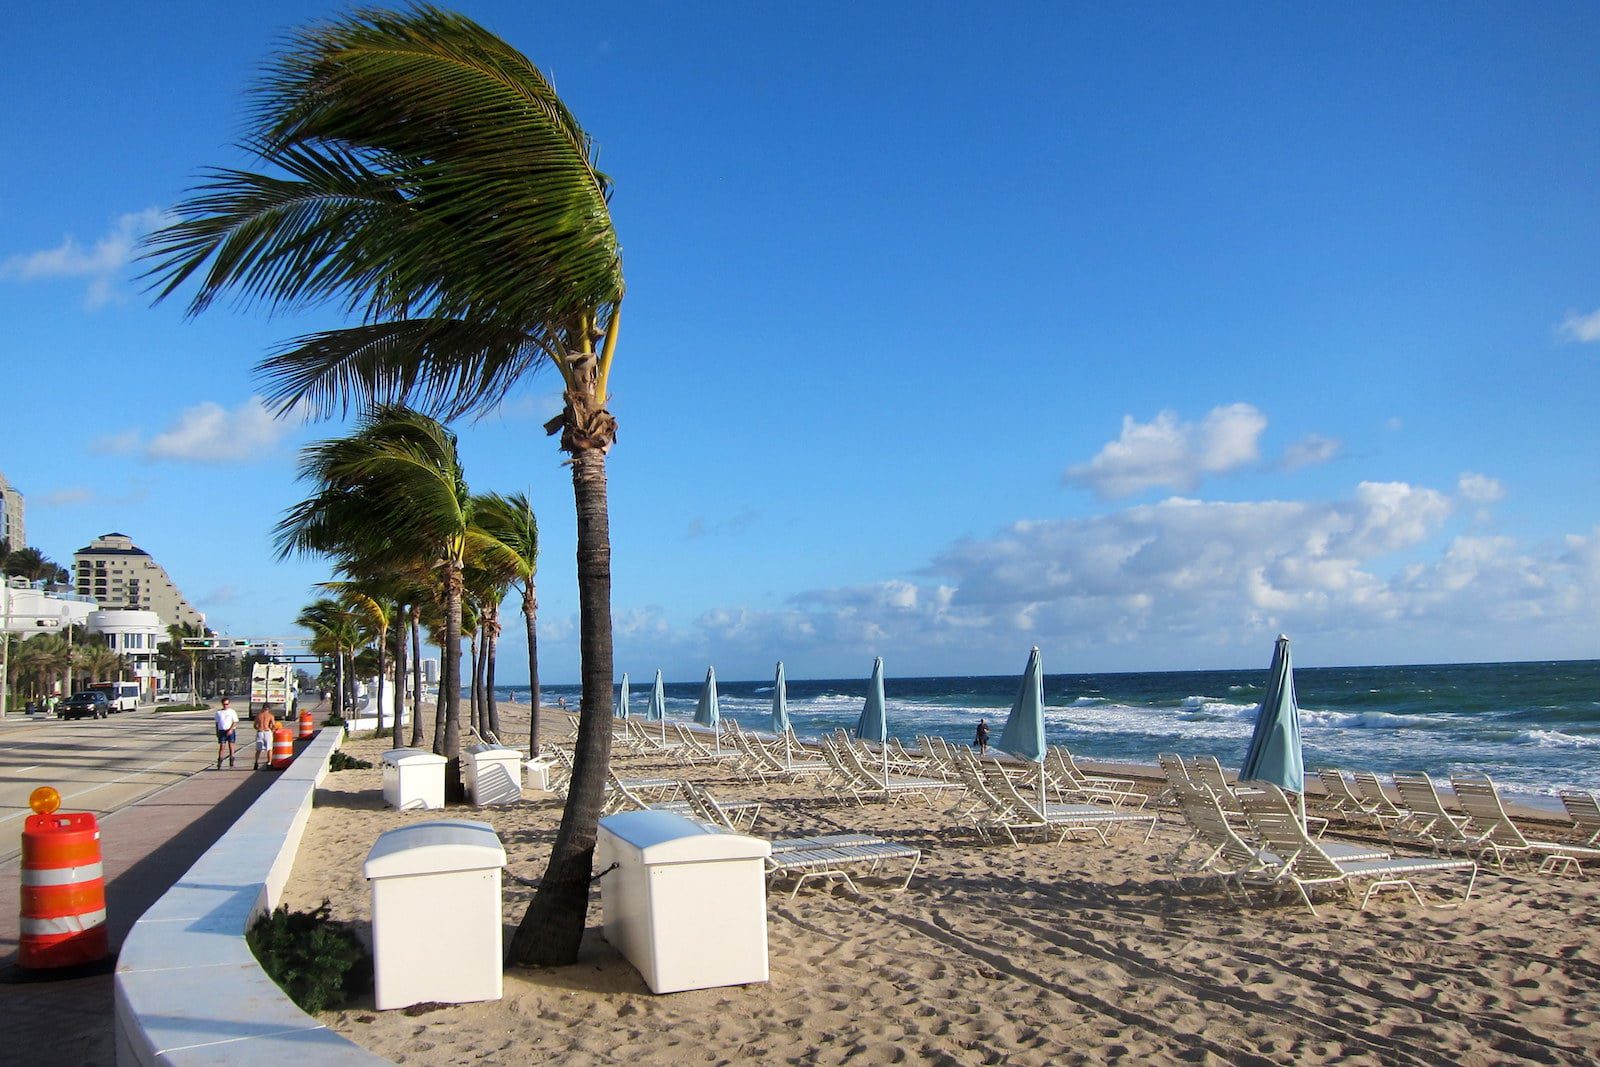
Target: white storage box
x=492 y=774
x=413 y=778
x=686 y=905
x=538 y=770
x=436 y=927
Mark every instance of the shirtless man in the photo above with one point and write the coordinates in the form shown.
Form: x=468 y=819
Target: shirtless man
x=265 y=724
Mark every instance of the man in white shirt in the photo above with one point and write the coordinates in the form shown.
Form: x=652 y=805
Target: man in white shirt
x=227 y=735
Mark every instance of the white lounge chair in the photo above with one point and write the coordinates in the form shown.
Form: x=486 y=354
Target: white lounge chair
x=1497 y=836
x=1307 y=865
x=1584 y=811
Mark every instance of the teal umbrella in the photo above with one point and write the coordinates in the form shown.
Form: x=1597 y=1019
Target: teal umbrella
x=1274 y=754
x=780 y=711
x=707 y=712
x=874 y=722
x=657 y=711
x=1024 y=732
x=622 y=697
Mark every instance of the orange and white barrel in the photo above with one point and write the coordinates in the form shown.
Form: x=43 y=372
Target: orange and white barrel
x=307 y=727
x=282 y=747
x=63 y=891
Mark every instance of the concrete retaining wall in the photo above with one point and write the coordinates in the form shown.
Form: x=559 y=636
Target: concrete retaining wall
x=188 y=988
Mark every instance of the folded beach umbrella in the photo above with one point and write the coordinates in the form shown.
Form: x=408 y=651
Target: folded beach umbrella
x=780 y=711
x=657 y=711
x=1274 y=753
x=1024 y=732
x=707 y=712
x=874 y=722
x=622 y=697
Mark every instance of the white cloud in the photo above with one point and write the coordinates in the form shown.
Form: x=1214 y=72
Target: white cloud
x=101 y=262
x=1579 y=327
x=1310 y=450
x=1166 y=453
x=209 y=433
x=62 y=498
x=125 y=443
x=1394 y=424
x=1480 y=488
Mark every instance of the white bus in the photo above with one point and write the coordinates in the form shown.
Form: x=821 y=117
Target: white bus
x=122 y=696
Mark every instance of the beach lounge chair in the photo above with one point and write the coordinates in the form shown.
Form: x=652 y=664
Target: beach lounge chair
x=1206 y=771
x=1118 y=792
x=1339 y=800
x=1375 y=801
x=1426 y=819
x=871 y=782
x=1065 y=820
x=1498 y=836
x=1584 y=811
x=843 y=857
x=1307 y=865
x=1216 y=849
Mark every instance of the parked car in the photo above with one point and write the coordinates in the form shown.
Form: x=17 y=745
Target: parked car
x=91 y=704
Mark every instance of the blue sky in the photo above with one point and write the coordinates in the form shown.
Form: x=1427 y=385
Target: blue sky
x=1137 y=333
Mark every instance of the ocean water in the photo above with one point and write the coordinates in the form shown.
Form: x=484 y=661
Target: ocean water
x=1534 y=727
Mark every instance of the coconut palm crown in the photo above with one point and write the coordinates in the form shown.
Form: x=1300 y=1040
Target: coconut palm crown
x=423 y=176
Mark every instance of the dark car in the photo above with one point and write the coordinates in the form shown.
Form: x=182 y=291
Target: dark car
x=87 y=705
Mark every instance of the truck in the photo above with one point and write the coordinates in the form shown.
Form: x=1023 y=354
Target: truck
x=275 y=687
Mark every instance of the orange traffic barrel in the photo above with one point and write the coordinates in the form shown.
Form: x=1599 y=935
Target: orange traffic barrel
x=63 y=892
x=307 y=727
x=282 y=747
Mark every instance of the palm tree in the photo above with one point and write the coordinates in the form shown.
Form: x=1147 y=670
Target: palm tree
x=400 y=476
x=421 y=173
x=42 y=658
x=374 y=601
x=99 y=662
x=335 y=630
x=177 y=632
x=510 y=520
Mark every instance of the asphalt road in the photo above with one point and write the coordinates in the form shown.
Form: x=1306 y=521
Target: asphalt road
x=100 y=765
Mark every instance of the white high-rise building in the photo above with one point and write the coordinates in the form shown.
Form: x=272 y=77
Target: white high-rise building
x=119 y=574
x=13 y=516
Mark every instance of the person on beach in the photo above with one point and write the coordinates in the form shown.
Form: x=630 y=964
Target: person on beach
x=981 y=738
x=227 y=726
x=265 y=724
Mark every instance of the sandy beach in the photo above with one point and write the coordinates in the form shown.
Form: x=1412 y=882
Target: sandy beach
x=1037 y=954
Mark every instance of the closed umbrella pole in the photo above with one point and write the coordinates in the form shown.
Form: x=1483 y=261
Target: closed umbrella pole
x=1275 y=753
x=1024 y=731
x=707 y=712
x=622 y=697
x=658 y=705
x=873 y=724
x=780 y=714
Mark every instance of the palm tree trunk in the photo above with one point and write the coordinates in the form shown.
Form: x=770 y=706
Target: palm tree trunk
x=530 y=612
x=552 y=927
x=416 y=677
x=492 y=639
x=382 y=663
x=400 y=676
x=475 y=707
x=450 y=681
x=338 y=683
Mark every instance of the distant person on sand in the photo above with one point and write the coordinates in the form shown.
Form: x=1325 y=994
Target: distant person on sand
x=227 y=724
x=981 y=738
x=561 y=702
x=265 y=724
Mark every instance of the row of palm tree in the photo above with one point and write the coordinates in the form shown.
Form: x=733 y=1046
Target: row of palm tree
x=420 y=175
x=46 y=659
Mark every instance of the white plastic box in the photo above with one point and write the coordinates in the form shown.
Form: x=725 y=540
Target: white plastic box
x=492 y=774
x=538 y=769
x=686 y=905
x=436 y=924
x=413 y=778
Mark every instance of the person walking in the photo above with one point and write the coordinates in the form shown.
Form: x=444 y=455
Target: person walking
x=227 y=731
x=981 y=738
x=265 y=723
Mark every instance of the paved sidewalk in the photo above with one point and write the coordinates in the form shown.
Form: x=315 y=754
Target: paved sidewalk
x=146 y=847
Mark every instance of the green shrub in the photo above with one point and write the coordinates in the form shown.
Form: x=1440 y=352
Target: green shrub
x=333 y=719
x=341 y=762
x=315 y=960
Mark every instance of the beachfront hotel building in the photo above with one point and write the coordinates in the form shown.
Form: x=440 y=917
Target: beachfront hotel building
x=119 y=574
x=13 y=516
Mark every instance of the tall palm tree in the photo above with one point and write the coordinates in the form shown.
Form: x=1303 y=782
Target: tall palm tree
x=177 y=632
x=400 y=474
x=423 y=175
x=374 y=601
x=510 y=520
x=99 y=662
x=335 y=630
